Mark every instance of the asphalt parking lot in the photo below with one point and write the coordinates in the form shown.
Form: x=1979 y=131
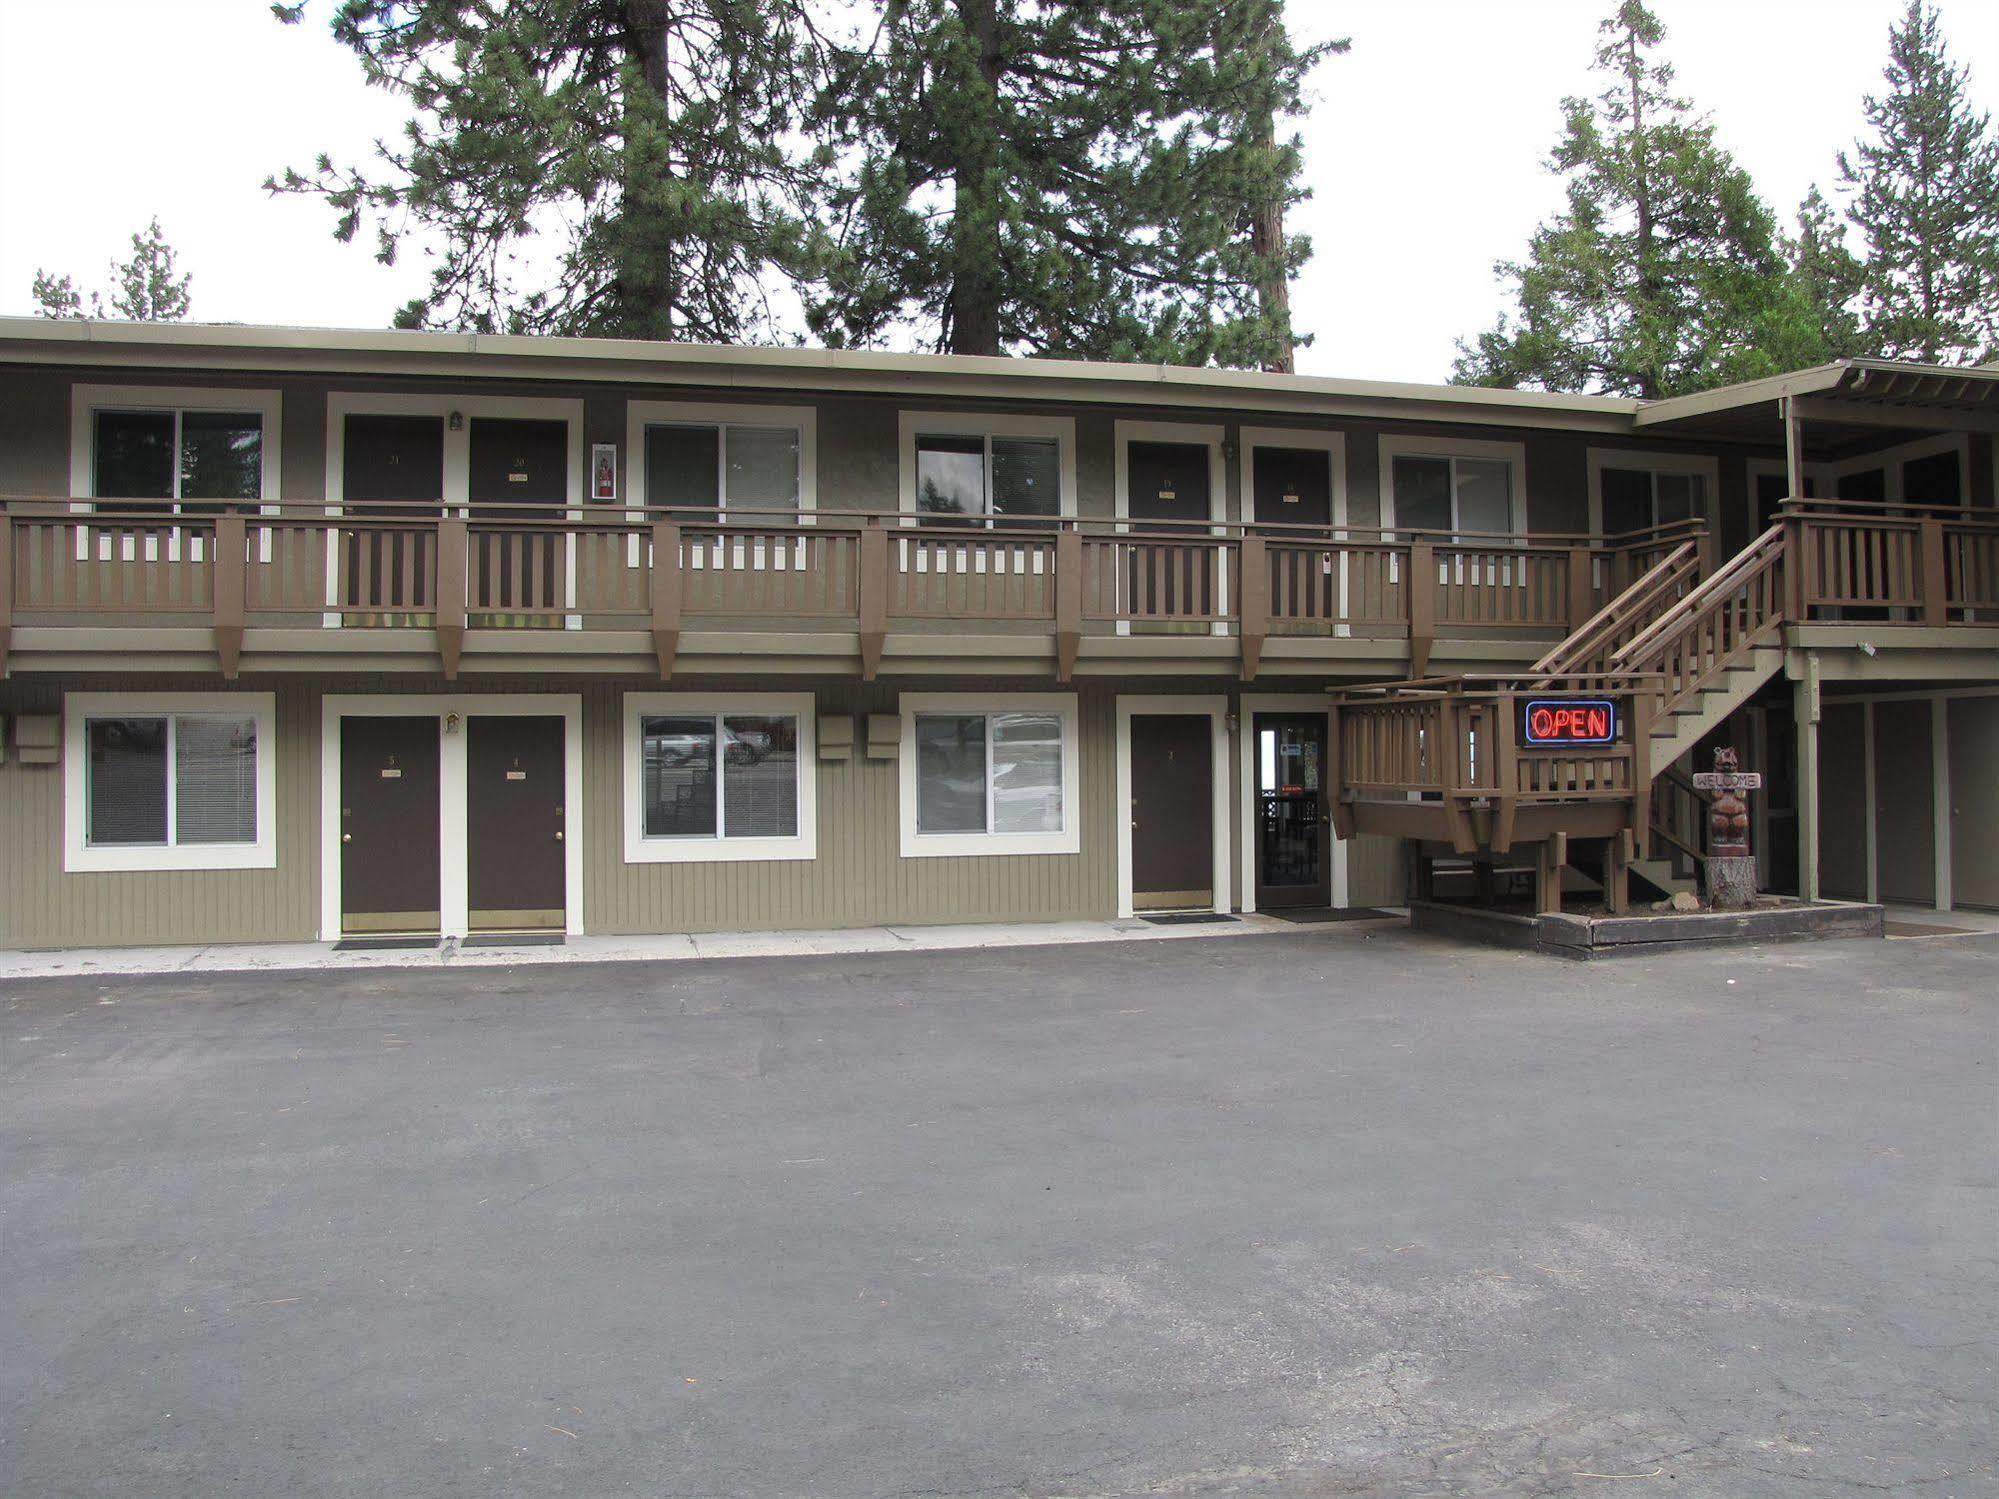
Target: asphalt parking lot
x=1320 y=1213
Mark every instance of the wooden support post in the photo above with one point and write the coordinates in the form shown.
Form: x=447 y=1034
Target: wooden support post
x=1253 y=604
x=664 y=582
x=1641 y=762
x=1794 y=450
x=1550 y=857
x=1581 y=599
x=1805 y=721
x=1617 y=872
x=873 y=598
x=1068 y=601
x=1422 y=605
x=6 y=587
x=1935 y=582
x=232 y=558
x=1795 y=564
x=451 y=582
x=1343 y=818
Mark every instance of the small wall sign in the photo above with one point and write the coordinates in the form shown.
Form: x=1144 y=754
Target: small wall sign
x=603 y=471
x=1553 y=721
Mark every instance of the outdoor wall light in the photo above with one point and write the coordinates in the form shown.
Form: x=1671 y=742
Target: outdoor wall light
x=451 y=723
x=458 y=421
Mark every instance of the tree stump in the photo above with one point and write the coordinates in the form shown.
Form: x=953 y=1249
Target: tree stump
x=1731 y=883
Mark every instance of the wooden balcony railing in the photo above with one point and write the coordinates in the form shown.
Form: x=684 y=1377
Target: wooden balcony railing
x=451 y=569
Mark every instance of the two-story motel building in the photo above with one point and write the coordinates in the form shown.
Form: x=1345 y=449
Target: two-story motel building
x=312 y=634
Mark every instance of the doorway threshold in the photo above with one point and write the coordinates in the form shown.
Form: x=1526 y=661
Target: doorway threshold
x=513 y=939
x=388 y=944
x=1187 y=918
x=1313 y=915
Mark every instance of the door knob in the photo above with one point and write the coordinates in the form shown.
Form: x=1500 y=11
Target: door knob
x=346 y=837
x=558 y=835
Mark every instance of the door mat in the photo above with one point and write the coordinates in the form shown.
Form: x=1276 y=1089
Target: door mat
x=1922 y=929
x=1188 y=918
x=513 y=939
x=1314 y=914
x=386 y=944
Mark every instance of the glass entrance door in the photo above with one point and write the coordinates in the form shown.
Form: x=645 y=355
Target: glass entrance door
x=1293 y=828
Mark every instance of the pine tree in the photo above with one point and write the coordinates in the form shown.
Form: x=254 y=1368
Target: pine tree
x=1828 y=280
x=616 y=167
x=1926 y=200
x=1662 y=275
x=1093 y=181
x=146 y=289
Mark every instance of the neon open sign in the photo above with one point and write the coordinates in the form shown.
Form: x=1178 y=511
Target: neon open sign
x=1569 y=720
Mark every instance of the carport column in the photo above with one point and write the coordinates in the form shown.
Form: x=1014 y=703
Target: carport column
x=1805 y=715
x=454 y=887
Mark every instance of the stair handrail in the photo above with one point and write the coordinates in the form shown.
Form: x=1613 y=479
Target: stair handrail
x=1724 y=581
x=1662 y=575
x=1675 y=779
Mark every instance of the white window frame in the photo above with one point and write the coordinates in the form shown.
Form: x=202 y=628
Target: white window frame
x=1396 y=445
x=81 y=857
x=1320 y=439
x=804 y=420
x=1065 y=840
x=1215 y=708
x=1654 y=462
x=986 y=425
x=717 y=848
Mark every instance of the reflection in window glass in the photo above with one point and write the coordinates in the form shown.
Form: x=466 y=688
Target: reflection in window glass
x=126 y=793
x=1027 y=773
x=221 y=455
x=215 y=780
x=1026 y=476
x=950 y=773
x=1423 y=493
x=762 y=465
x=951 y=475
x=1627 y=500
x=133 y=455
x=1681 y=497
x=683 y=466
x=1485 y=495
x=759 y=776
x=678 y=776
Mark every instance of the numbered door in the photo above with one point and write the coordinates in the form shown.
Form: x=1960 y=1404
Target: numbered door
x=514 y=824
x=391 y=469
x=1292 y=486
x=516 y=469
x=389 y=825
x=1172 y=812
x=1294 y=864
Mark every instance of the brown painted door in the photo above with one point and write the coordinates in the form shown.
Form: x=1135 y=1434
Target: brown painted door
x=1166 y=483
x=1292 y=486
x=388 y=824
x=1974 y=801
x=515 y=466
x=1293 y=830
x=1843 y=810
x=514 y=823
x=1904 y=803
x=1172 y=812
x=396 y=463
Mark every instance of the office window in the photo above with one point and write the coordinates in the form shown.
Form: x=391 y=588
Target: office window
x=993 y=479
x=718 y=777
x=995 y=777
x=188 y=461
x=169 y=783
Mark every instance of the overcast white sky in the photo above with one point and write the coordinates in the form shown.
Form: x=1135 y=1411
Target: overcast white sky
x=1425 y=148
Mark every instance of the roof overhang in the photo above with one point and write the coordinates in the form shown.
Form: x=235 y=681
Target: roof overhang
x=1846 y=404
x=380 y=352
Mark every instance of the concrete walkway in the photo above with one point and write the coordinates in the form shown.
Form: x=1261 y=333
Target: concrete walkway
x=275 y=957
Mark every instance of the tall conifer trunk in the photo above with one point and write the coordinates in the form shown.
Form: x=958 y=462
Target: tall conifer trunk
x=975 y=236
x=645 y=266
x=1266 y=243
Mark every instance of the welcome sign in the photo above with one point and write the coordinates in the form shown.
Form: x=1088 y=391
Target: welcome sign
x=1547 y=722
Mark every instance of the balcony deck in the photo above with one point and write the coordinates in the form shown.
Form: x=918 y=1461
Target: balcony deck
x=301 y=586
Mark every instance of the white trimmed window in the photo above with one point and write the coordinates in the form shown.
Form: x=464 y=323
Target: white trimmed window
x=989 y=774
x=1447 y=485
x=176 y=781
x=987 y=470
x=719 y=776
x=757 y=459
x=1636 y=491
x=141 y=448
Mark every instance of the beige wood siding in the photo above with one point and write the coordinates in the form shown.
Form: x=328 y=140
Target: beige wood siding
x=41 y=906
x=1374 y=871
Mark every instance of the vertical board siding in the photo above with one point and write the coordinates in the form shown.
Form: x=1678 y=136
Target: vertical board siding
x=1374 y=870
